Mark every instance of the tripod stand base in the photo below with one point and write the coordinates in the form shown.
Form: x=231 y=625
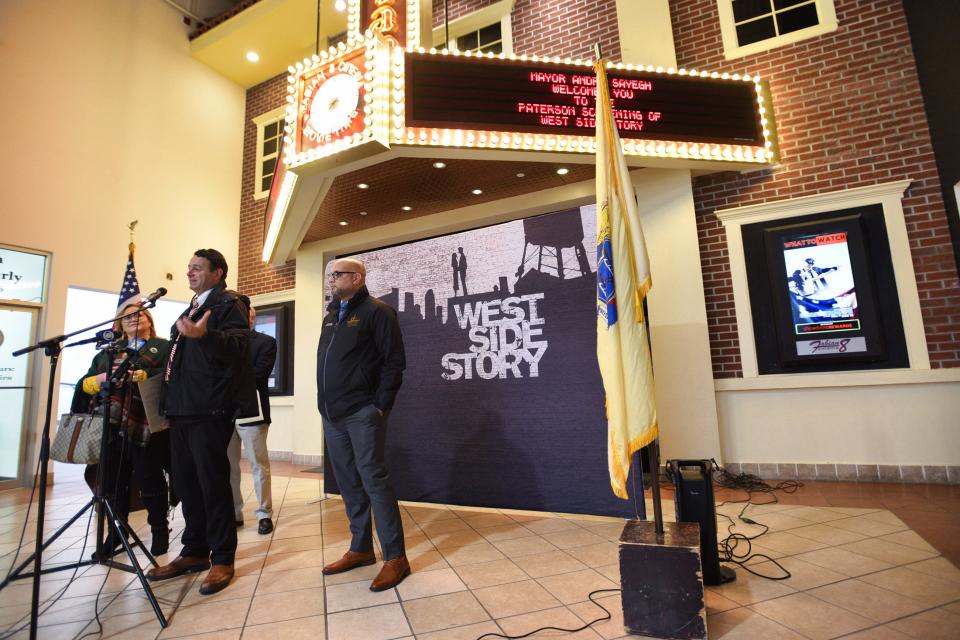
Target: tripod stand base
x=100 y=557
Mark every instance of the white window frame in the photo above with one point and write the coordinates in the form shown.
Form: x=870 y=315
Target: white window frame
x=888 y=195
x=260 y=122
x=826 y=15
x=496 y=12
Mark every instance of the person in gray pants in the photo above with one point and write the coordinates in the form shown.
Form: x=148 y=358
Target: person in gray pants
x=262 y=350
x=360 y=363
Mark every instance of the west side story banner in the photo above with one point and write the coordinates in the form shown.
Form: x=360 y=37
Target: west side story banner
x=502 y=403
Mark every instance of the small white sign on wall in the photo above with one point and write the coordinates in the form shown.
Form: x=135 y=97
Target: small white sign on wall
x=22 y=275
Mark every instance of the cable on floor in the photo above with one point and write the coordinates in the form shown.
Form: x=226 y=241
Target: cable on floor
x=552 y=628
x=729 y=547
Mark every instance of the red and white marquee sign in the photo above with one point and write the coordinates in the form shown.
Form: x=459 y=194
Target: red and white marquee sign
x=330 y=101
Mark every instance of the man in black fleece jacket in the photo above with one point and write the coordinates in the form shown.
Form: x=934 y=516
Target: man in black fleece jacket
x=360 y=362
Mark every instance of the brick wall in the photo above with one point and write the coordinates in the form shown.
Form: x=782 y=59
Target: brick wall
x=565 y=28
x=849 y=114
x=253 y=275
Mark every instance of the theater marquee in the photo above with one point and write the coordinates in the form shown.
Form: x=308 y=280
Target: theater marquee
x=381 y=90
x=448 y=99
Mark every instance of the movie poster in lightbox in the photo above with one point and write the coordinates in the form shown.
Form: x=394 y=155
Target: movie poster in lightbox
x=502 y=403
x=820 y=280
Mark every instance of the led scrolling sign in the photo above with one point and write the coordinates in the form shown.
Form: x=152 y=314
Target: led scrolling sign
x=546 y=98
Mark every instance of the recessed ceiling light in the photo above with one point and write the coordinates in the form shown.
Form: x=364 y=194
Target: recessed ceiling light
x=253 y=56
x=520 y=175
x=439 y=165
x=563 y=171
x=477 y=192
x=340 y=5
x=343 y=223
x=363 y=185
x=406 y=208
x=363 y=213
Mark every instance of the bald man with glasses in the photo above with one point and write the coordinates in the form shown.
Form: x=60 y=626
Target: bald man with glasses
x=360 y=363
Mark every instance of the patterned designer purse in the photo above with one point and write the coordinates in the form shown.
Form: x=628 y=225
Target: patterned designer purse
x=78 y=439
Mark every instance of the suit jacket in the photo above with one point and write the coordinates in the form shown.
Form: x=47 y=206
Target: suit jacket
x=263 y=355
x=212 y=376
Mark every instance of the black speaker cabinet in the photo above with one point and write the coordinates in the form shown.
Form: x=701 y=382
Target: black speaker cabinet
x=660 y=577
x=694 y=502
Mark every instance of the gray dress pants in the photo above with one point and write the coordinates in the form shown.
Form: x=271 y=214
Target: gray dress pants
x=355 y=444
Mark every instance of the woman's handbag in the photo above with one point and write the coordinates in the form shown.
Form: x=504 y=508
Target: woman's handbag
x=78 y=439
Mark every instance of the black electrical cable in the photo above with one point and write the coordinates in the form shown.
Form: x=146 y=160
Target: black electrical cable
x=551 y=628
x=52 y=600
x=751 y=484
x=26 y=519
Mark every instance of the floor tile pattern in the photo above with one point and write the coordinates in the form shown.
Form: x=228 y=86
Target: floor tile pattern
x=875 y=562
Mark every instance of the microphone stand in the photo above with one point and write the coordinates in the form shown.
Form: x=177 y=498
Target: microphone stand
x=52 y=348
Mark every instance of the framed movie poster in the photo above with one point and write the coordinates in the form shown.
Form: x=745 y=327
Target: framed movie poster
x=823 y=293
x=276 y=321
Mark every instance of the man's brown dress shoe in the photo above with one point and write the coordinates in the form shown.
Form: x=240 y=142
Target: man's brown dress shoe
x=217 y=579
x=392 y=574
x=178 y=567
x=350 y=560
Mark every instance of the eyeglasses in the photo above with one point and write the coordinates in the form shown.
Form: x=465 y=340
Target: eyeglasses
x=333 y=275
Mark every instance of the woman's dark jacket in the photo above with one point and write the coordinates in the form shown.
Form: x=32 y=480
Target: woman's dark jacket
x=128 y=406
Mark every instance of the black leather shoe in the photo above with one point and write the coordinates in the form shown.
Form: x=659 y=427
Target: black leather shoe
x=265 y=527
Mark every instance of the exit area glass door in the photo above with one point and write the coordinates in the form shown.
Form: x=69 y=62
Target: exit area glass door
x=17 y=330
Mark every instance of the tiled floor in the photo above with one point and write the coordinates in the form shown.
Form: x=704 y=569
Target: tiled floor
x=858 y=571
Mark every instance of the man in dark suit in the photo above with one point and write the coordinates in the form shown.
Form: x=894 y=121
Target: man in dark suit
x=207 y=384
x=253 y=432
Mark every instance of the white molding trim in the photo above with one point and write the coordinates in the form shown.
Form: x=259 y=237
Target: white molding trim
x=260 y=122
x=818 y=203
x=879 y=377
x=272 y=297
x=889 y=195
x=826 y=17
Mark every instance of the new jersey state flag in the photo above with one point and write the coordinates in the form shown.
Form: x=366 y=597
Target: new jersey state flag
x=623 y=279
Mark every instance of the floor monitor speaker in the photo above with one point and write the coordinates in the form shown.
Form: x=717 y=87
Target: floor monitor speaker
x=693 y=482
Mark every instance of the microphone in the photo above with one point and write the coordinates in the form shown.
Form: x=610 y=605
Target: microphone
x=104 y=337
x=156 y=295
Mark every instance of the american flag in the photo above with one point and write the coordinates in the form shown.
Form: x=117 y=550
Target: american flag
x=130 y=289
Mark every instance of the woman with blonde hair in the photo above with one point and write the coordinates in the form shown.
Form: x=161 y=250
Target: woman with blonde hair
x=135 y=450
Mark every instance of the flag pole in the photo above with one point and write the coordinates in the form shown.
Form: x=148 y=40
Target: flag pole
x=654 y=451
x=132 y=226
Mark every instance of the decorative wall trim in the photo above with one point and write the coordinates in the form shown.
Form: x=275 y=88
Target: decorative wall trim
x=273 y=297
x=839 y=379
x=311 y=460
x=902 y=474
